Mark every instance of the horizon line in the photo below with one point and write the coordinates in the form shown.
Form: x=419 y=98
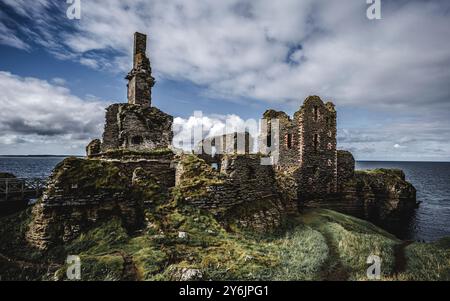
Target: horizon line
x=359 y=160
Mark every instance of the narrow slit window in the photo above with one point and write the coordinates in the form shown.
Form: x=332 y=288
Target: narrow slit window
x=316 y=113
x=289 y=141
x=269 y=140
x=316 y=142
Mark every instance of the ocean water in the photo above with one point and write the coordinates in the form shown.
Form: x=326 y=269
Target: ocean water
x=431 y=179
x=431 y=220
x=29 y=167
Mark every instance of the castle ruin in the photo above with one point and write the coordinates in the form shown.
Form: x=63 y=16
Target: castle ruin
x=136 y=125
x=134 y=168
x=306 y=146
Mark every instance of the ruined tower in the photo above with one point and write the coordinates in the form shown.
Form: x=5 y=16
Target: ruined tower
x=306 y=146
x=140 y=79
x=316 y=124
x=136 y=125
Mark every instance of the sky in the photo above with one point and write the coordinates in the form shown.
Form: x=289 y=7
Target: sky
x=231 y=59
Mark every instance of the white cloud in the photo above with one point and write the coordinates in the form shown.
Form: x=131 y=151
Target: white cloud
x=209 y=126
x=58 y=81
x=34 y=112
x=240 y=48
x=9 y=37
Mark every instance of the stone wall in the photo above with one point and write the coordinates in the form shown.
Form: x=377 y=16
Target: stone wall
x=83 y=193
x=140 y=79
x=233 y=143
x=94 y=148
x=307 y=143
x=316 y=122
x=244 y=192
x=136 y=128
x=285 y=143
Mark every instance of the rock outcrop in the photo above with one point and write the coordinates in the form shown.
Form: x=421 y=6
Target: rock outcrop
x=383 y=193
x=378 y=195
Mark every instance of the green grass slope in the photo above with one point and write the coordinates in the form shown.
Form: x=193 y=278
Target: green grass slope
x=315 y=245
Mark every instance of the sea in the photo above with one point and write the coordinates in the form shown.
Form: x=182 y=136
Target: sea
x=430 y=222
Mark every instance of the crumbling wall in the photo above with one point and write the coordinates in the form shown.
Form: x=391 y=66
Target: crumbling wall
x=94 y=148
x=286 y=143
x=111 y=129
x=243 y=193
x=140 y=79
x=316 y=122
x=136 y=128
x=233 y=143
x=83 y=193
x=308 y=142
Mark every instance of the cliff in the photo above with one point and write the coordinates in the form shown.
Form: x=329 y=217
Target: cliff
x=379 y=195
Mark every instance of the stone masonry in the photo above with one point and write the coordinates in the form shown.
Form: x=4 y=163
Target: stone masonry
x=140 y=79
x=306 y=143
x=136 y=125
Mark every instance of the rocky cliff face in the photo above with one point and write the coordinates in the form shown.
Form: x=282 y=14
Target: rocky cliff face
x=383 y=192
x=376 y=195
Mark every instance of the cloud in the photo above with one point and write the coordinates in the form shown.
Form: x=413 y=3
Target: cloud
x=398 y=141
x=34 y=111
x=58 y=81
x=188 y=132
x=274 y=52
x=245 y=49
x=7 y=37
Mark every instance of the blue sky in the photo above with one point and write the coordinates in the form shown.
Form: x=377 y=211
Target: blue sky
x=389 y=78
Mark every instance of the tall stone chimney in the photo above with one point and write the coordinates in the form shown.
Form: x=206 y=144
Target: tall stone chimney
x=140 y=79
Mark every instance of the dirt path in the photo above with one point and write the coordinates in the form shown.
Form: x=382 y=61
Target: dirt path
x=130 y=272
x=400 y=257
x=333 y=270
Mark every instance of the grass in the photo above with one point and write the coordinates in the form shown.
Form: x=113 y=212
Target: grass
x=426 y=262
x=351 y=241
x=196 y=177
x=126 y=153
x=302 y=252
x=89 y=176
x=315 y=245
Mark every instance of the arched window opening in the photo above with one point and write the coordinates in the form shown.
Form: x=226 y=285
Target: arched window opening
x=289 y=141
